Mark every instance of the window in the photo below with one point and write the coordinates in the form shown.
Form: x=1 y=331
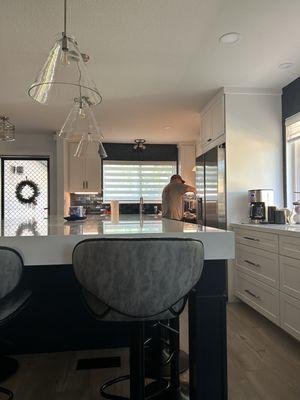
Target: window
x=127 y=181
x=293 y=158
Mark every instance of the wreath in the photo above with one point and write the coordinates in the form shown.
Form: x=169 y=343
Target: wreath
x=33 y=188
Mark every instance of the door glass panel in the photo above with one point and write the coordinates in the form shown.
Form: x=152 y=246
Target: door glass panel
x=25 y=189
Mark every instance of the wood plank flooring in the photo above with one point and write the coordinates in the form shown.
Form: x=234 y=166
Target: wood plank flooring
x=263 y=364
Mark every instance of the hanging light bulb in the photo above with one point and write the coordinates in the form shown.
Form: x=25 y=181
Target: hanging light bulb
x=80 y=120
x=63 y=73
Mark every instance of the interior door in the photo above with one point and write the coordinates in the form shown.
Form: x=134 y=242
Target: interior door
x=24 y=188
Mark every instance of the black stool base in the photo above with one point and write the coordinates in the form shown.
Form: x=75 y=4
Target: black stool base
x=8 y=367
x=9 y=395
x=155 y=390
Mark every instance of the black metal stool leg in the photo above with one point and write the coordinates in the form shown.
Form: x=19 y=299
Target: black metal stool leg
x=137 y=362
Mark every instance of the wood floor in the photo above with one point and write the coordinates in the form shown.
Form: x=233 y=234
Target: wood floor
x=263 y=364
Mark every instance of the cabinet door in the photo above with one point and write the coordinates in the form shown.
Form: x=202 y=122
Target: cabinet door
x=217 y=118
x=290 y=276
x=76 y=171
x=92 y=174
x=206 y=128
x=290 y=315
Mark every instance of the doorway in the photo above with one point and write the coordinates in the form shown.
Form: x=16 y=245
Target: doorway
x=24 y=188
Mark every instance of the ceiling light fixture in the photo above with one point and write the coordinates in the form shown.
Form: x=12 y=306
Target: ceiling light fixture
x=168 y=127
x=80 y=120
x=7 y=130
x=230 y=38
x=87 y=144
x=139 y=145
x=64 y=73
x=285 y=65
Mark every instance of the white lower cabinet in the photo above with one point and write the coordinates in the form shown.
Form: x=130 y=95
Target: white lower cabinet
x=290 y=276
x=290 y=315
x=267 y=275
x=261 y=297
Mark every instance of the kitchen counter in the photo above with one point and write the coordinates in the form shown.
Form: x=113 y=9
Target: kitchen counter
x=289 y=230
x=51 y=241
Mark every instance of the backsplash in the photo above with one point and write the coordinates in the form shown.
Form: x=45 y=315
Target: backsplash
x=93 y=204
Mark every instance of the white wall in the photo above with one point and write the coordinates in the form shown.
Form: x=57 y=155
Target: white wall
x=187 y=161
x=35 y=145
x=253 y=149
x=253 y=154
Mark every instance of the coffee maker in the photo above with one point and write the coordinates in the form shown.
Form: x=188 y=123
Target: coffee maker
x=259 y=201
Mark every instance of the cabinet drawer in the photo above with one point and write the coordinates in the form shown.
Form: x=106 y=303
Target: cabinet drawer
x=261 y=265
x=289 y=246
x=290 y=276
x=260 y=240
x=290 y=315
x=261 y=297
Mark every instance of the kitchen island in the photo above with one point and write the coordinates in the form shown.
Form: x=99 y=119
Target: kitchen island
x=56 y=319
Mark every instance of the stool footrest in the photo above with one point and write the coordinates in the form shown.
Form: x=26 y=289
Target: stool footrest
x=152 y=390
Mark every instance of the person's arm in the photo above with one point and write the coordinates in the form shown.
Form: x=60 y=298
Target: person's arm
x=189 y=188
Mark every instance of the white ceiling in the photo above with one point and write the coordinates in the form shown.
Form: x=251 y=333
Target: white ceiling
x=156 y=62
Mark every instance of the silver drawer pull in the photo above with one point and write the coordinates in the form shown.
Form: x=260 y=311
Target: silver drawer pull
x=251 y=238
x=252 y=294
x=252 y=263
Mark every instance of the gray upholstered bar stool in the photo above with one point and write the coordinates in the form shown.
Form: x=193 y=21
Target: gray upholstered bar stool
x=138 y=280
x=12 y=300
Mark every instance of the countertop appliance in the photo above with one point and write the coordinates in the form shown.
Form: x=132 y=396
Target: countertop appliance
x=259 y=201
x=210 y=184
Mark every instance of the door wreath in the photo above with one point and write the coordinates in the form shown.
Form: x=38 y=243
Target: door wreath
x=33 y=190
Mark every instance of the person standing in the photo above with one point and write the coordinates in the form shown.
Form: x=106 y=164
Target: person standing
x=173 y=197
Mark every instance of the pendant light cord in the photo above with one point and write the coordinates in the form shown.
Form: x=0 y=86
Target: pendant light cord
x=65 y=17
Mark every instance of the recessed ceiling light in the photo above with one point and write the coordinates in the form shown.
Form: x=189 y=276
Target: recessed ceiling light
x=230 y=38
x=285 y=65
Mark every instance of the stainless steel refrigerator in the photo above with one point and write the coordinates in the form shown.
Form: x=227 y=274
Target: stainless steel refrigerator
x=211 y=187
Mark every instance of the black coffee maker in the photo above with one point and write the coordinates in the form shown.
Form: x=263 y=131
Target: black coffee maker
x=257 y=211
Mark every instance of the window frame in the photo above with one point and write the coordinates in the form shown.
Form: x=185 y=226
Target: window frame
x=134 y=162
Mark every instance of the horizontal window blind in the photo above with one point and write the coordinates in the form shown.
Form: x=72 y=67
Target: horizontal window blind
x=293 y=128
x=127 y=181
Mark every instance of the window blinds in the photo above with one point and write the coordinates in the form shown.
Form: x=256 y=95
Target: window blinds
x=293 y=128
x=127 y=181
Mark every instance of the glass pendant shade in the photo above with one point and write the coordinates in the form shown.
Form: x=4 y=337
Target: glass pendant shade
x=89 y=147
x=7 y=130
x=63 y=74
x=80 y=120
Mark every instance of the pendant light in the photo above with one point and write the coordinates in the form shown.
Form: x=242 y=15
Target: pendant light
x=88 y=146
x=7 y=130
x=80 y=120
x=63 y=73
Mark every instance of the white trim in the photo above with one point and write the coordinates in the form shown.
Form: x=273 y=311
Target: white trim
x=252 y=91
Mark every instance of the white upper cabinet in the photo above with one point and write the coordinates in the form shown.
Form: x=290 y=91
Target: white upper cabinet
x=212 y=121
x=84 y=173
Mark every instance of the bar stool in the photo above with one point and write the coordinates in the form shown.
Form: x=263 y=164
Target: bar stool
x=138 y=280
x=12 y=301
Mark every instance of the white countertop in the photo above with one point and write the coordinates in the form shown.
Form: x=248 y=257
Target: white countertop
x=289 y=230
x=51 y=241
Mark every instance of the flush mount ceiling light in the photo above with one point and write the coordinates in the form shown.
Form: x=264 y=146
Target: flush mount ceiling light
x=7 y=130
x=80 y=120
x=230 y=38
x=64 y=73
x=139 y=145
x=285 y=65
